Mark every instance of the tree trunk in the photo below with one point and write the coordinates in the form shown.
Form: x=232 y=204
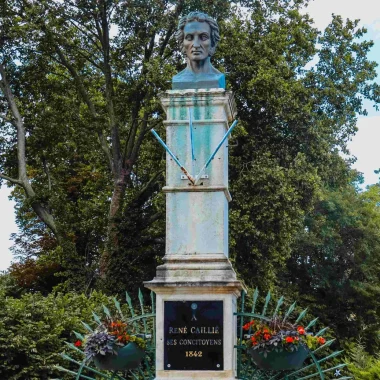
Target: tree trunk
x=117 y=200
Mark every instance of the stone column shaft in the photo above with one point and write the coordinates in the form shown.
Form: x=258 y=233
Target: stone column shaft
x=196 y=266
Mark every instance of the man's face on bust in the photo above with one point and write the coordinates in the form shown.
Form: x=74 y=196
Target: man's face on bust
x=197 y=40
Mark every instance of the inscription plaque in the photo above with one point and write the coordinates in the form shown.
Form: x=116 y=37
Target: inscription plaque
x=193 y=334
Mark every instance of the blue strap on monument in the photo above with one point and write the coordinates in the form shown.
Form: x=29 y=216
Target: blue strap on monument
x=197 y=178
x=166 y=147
x=188 y=175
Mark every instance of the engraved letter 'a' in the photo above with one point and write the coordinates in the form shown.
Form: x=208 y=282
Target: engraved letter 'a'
x=194 y=307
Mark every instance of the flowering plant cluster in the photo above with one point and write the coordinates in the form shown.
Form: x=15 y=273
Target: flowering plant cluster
x=279 y=335
x=107 y=338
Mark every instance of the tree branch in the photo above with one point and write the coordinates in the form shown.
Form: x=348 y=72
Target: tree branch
x=85 y=56
x=12 y=180
x=130 y=144
x=151 y=181
x=144 y=130
x=77 y=80
x=23 y=180
x=149 y=49
x=115 y=138
x=166 y=40
x=59 y=74
x=85 y=97
x=86 y=34
x=105 y=148
x=153 y=218
x=19 y=125
x=99 y=30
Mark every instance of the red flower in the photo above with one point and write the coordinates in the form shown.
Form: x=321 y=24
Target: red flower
x=301 y=330
x=78 y=343
x=248 y=325
x=267 y=336
x=321 y=340
x=289 y=339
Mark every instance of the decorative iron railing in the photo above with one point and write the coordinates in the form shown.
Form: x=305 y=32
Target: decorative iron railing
x=143 y=323
x=316 y=366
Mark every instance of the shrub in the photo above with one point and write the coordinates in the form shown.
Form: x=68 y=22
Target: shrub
x=361 y=364
x=33 y=329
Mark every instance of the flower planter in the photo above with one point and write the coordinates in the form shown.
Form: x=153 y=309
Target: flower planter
x=282 y=360
x=128 y=357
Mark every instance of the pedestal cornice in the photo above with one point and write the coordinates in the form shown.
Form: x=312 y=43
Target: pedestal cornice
x=198 y=189
x=201 y=97
x=202 y=273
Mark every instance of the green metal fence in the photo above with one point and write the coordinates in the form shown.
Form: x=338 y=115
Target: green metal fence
x=317 y=366
x=143 y=322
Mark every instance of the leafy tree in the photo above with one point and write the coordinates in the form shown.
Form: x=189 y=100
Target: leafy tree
x=295 y=122
x=85 y=79
x=35 y=275
x=86 y=101
x=334 y=266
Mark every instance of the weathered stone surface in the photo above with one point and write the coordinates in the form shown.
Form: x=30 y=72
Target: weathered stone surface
x=197 y=216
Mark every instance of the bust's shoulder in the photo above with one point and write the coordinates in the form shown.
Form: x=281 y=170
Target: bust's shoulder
x=215 y=71
x=183 y=75
x=188 y=80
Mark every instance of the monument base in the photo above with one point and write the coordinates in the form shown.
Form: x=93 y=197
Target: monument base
x=196 y=298
x=209 y=375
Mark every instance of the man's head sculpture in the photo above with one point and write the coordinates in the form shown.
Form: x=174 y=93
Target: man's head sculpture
x=198 y=35
x=198 y=17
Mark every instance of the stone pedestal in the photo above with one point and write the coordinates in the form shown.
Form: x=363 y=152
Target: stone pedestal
x=196 y=269
x=197 y=292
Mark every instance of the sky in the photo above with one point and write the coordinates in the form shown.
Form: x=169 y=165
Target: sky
x=364 y=145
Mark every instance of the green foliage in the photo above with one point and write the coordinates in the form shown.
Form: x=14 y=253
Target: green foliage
x=88 y=100
x=267 y=211
x=88 y=103
x=9 y=286
x=362 y=365
x=33 y=329
x=293 y=122
x=335 y=263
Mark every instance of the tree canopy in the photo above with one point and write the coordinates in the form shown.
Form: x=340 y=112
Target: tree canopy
x=79 y=93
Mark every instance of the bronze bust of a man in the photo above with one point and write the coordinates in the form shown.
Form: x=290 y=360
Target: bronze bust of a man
x=198 y=35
